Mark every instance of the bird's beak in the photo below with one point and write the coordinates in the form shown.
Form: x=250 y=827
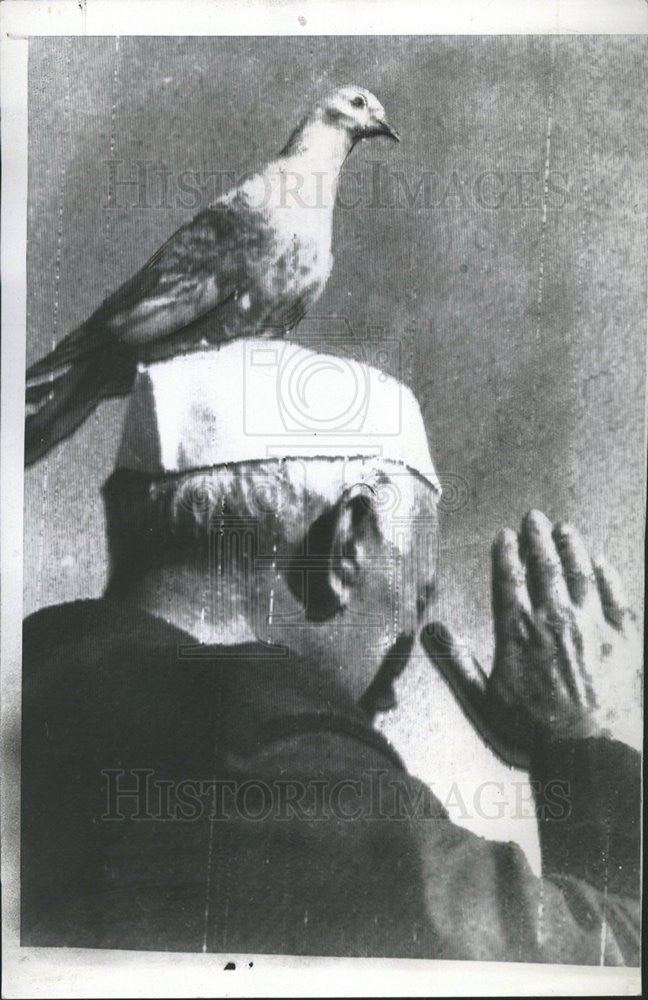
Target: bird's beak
x=384 y=128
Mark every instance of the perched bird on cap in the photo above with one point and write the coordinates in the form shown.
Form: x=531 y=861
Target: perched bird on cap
x=252 y=263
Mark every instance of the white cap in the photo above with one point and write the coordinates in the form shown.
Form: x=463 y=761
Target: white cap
x=261 y=399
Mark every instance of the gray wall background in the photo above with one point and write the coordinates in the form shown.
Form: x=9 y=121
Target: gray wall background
x=520 y=313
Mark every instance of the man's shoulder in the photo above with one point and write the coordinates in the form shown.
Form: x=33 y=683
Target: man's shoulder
x=69 y=622
x=88 y=646
x=95 y=633
x=117 y=666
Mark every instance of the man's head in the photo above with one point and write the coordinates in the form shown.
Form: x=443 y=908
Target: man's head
x=334 y=558
x=226 y=517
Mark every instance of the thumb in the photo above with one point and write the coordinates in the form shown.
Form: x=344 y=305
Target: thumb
x=458 y=666
x=469 y=685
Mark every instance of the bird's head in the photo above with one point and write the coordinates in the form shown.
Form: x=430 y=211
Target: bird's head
x=358 y=112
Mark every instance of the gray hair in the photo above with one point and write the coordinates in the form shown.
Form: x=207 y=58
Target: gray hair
x=172 y=519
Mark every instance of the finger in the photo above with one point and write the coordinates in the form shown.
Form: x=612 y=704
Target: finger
x=457 y=664
x=470 y=685
x=577 y=565
x=397 y=657
x=545 y=578
x=380 y=695
x=510 y=596
x=613 y=599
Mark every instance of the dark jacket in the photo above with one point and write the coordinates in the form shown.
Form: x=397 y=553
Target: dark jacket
x=190 y=798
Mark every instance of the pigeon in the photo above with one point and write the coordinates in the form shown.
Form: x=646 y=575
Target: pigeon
x=251 y=264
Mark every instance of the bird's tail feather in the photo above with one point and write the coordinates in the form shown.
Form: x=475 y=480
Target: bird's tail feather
x=36 y=393
x=72 y=397
x=79 y=344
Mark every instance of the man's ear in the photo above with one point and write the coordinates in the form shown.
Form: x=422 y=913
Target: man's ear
x=337 y=547
x=355 y=531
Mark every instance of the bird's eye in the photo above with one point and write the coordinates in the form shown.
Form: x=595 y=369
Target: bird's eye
x=359 y=102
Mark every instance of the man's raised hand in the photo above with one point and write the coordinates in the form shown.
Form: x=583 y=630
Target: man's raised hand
x=567 y=654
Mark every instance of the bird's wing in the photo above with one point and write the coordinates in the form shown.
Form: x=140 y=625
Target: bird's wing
x=200 y=267
x=287 y=314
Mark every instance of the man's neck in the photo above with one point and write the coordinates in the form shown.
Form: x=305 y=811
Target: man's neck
x=187 y=598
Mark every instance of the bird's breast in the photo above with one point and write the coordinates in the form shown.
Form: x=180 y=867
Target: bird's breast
x=301 y=253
